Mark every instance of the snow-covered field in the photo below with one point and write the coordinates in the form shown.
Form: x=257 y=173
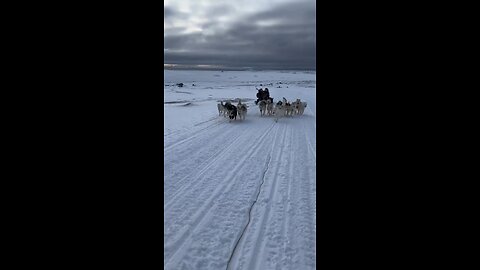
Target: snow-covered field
x=240 y=194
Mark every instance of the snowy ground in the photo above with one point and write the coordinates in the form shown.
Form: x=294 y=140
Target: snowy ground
x=238 y=195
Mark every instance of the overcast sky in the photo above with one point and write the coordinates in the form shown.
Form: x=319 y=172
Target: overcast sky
x=263 y=34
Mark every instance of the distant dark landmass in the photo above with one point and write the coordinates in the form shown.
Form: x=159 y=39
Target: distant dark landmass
x=218 y=68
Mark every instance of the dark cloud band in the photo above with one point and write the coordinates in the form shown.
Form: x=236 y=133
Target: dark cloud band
x=280 y=38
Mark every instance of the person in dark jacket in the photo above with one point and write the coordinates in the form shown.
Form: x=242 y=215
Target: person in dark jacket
x=259 y=95
x=267 y=95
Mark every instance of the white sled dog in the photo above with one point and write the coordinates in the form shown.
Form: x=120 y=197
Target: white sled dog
x=288 y=107
x=295 y=105
x=299 y=106
x=242 y=110
x=262 y=105
x=269 y=107
x=279 y=111
x=222 y=109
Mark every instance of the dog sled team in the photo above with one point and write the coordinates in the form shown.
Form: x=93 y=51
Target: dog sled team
x=266 y=106
x=282 y=109
x=231 y=111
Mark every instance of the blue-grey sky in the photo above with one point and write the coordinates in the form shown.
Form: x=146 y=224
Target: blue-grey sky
x=258 y=34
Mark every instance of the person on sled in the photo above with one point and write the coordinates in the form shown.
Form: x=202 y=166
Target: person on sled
x=267 y=95
x=259 y=95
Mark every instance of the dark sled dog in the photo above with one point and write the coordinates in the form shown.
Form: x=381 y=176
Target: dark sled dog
x=232 y=111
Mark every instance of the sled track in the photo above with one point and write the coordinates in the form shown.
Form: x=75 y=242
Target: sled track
x=243 y=254
x=249 y=213
x=198 y=217
x=202 y=156
x=178 y=132
x=190 y=138
x=195 y=174
x=273 y=218
x=270 y=217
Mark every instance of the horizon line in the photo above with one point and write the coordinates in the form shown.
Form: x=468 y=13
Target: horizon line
x=224 y=68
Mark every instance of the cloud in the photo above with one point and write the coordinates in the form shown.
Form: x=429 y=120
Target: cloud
x=282 y=37
x=170 y=13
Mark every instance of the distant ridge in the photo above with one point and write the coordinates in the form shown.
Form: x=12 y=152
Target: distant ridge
x=194 y=67
x=218 y=68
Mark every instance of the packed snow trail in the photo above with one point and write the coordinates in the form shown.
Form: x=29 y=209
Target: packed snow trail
x=241 y=194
